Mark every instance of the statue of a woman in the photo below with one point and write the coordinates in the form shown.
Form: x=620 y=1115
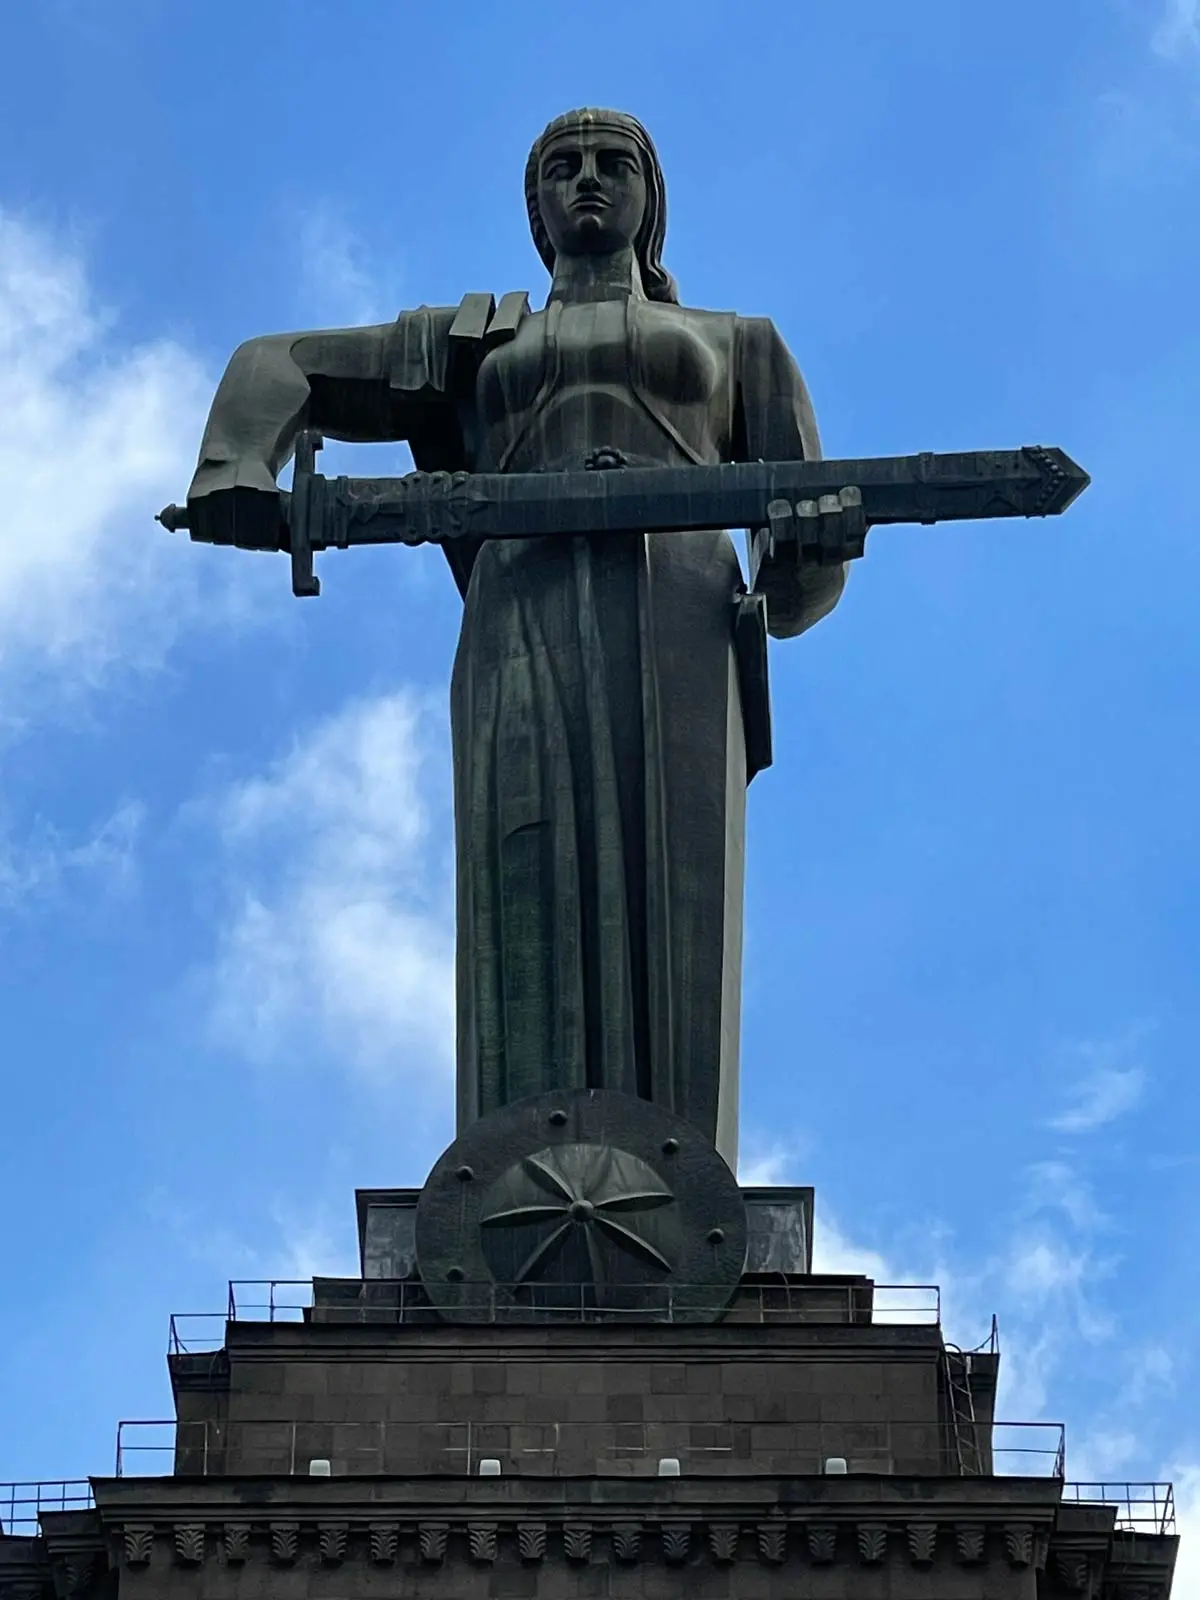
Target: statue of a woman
x=599 y=715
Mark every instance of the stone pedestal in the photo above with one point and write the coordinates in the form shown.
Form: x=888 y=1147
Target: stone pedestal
x=800 y=1445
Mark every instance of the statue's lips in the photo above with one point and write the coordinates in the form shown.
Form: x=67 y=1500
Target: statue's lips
x=592 y=205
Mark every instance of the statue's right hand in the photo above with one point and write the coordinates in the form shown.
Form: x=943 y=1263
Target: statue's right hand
x=236 y=503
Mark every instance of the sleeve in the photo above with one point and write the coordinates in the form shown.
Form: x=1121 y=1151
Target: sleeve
x=774 y=421
x=367 y=385
x=394 y=381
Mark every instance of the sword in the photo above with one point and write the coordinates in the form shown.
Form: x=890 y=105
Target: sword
x=822 y=508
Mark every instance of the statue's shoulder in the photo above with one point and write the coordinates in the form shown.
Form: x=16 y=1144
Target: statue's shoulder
x=477 y=319
x=699 y=315
x=440 y=347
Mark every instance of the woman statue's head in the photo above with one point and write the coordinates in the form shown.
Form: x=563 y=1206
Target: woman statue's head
x=593 y=185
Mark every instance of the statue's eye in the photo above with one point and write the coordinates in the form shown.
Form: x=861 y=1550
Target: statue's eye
x=560 y=166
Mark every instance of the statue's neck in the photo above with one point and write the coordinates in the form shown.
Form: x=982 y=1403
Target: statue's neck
x=578 y=279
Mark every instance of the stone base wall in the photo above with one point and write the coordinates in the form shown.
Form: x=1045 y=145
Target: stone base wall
x=571 y=1401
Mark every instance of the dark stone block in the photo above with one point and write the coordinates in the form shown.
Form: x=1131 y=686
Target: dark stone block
x=624 y=1408
x=514 y=1583
x=523 y=1377
x=703 y=1377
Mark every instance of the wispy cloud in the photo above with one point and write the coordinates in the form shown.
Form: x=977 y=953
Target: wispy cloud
x=95 y=438
x=1108 y=1087
x=340 y=283
x=1178 y=28
x=340 y=932
x=39 y=867
x=1058 y=1186
x=1185 y=1474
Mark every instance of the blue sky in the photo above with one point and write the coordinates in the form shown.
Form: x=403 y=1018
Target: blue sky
x=225 y=862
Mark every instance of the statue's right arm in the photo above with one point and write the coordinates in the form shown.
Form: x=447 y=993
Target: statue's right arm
x=337 y=382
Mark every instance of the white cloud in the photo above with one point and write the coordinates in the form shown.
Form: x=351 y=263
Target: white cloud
x=41 y=865
x=1179 y=28
x=1058 y=1186
x=1186 y=1478
x=340 y=285
x=95 y=438
x=834 y=1251
x=1106 y=1090
x=340 y=932
x=766 y=1167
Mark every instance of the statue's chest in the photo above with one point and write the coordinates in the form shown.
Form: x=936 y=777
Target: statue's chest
x=610 y=346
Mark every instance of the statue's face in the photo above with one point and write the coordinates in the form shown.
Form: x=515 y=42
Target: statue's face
x=591 y=191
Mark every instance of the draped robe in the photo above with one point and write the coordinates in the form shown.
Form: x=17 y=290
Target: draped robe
x=599 y=706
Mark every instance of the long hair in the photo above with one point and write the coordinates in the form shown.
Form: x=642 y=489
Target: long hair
x=648 y=245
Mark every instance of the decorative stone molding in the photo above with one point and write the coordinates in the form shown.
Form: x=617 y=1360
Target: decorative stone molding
x=382 y=1538
x=1018 y=1544
x=236 y=1543
x=189 y=1543
x=577 y=1541
x=431 y=1537
x=1076 y=1570
x=676 y=1542
x=137 y=1544
x=723 y=1542
x=21 y=1589
x=481 y=1542
x=844 y=1537
x=627 y=1541
x=80 y=1570
x=331 y=1537
x=1072 y=1570
x=968 y=1542
x=872 y=1538
x=531 y=1541
x=285 y=1542
x=822 y=1542
x=772 y=1542
x=921 y=1538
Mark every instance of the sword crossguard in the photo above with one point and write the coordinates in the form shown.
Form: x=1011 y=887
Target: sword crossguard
x=305 y=583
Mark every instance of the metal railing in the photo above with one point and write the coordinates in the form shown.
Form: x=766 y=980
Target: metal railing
x=388 y=1301
x=21 y=1504
x=1141 y=1507
x=271 y=1448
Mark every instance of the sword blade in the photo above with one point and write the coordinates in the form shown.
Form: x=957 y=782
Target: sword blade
x=1031 y=482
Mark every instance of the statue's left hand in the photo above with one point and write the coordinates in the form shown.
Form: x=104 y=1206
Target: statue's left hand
x=236 y=502
x=824 y=532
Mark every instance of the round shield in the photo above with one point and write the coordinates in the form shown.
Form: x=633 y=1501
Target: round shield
x=586 y=1206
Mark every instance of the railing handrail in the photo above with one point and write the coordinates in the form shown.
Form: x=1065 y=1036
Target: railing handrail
x=528 y=1442
x=35 y=1495
x=773 y=1294
x=1129 y=1497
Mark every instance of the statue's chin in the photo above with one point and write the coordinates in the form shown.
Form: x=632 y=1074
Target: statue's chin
x=592 y=237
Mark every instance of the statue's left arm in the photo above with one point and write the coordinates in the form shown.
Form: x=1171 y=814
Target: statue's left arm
x=774 y=421
x=388 y=382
